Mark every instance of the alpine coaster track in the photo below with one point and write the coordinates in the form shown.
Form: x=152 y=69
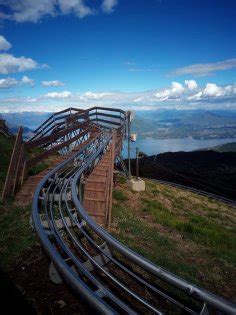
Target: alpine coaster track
x=109 y=276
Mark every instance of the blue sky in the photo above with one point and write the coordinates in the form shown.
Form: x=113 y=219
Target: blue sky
x=131 y=54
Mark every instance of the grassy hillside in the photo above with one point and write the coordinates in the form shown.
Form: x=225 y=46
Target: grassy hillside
x=227 y=147
x=6 y=146
x=16 y=235
x=206 y=170
x=180 y=231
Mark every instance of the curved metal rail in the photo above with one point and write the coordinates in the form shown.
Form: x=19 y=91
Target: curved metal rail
x=121 y=281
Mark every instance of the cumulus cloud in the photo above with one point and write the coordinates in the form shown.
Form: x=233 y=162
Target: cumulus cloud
x=53 y=83
x=27 y=80
x=58 y=95
x=95 y=96
x=174 y=92
x=27 y=10
x=4 y=44
x=204 y=69
x=10 y=82
x=11 y=64
x=191 y=84
x=176 y=96
x=33 y=11
x=7 y=83
x=214 y=91
x=77 y=7
x=109 y=5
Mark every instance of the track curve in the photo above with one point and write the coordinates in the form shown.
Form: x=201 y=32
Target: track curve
x=110 y=277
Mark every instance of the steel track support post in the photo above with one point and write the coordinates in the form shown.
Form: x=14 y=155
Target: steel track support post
x=137 y=166
x=129 y=163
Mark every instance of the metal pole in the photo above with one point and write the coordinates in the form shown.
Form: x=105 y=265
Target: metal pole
x=129 y=165
x=137 y=154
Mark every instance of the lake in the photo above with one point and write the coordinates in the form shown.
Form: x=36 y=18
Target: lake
x=152 y=146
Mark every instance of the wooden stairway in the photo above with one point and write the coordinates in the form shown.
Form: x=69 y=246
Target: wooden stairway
x=98 y=189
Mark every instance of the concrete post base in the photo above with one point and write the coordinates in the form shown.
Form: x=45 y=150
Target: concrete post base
x=136 y=185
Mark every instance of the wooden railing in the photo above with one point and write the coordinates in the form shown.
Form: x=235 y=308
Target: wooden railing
x=14 y=167
x=59 y=131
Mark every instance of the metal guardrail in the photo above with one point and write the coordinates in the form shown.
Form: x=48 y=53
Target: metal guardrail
x=111 y=277
x=196 y=191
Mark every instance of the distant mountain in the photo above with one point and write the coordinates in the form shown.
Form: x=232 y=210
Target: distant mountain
x=173 y=124
x=27 y=132
x=161 y=124
x=30 y=120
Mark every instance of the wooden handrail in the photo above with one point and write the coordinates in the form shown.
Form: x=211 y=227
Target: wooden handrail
x=54 y=136
x=52 y=150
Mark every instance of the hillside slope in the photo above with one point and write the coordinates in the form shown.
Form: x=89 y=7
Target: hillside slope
x=206 y=170
x=180 y=231
x=227 y=147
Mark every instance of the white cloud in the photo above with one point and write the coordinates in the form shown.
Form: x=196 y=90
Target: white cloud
x=197 y=96
x=4 y=44
x=174 y=92
x=11 y=64
x=52 y=83
x=28 y=10
x=95 y=96
x=212 y=90
x=27 y=80
x=77 y=7
x=34 y=11
x=176 y=96
x=7 y=83
x=109 y=5
x=203 y=69
x=58 y=95
x=191 y=84
x=10 y=82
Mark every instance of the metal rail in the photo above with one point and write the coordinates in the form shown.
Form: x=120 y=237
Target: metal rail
x=111 y=277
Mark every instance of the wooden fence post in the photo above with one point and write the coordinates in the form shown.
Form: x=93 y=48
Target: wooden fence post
x=11 y=172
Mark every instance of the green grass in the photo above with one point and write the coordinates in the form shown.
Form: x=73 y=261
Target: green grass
x=181 y=232
x=149 y=243
x=6 y=146
x=15 y=231
x=38 y=168
x=16 y=235
x=119 y=195
x=197 y=228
